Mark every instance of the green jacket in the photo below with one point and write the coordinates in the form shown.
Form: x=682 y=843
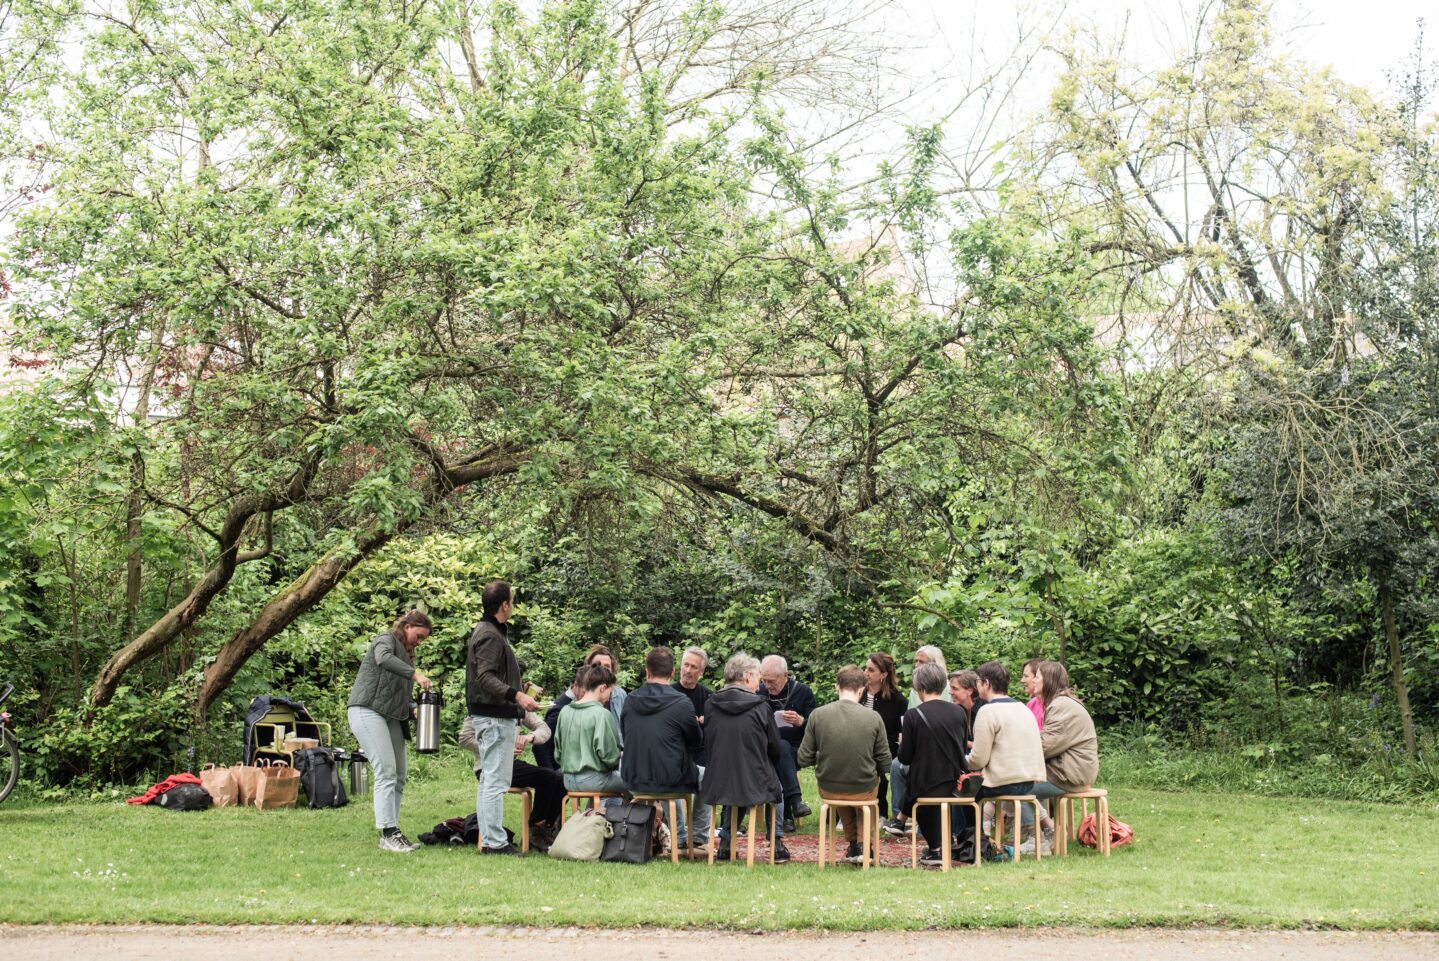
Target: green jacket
x=848 y=745
x=585 y=739
x=383 y=682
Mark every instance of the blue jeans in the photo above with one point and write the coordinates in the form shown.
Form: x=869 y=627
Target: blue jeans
x=495 y=737
x=1026 y=813
x=608 y=781
x=383 y=741
x=787 y=767
x=898 y=782
x=702 y=816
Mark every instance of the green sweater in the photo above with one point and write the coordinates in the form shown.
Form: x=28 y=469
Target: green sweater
x=847 y=744
x=585 y=738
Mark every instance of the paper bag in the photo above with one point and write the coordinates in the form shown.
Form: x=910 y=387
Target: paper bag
x=278 y=786
x=246 y=778
x=220 y=782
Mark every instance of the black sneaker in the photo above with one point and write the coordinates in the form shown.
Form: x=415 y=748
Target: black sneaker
x=895 y=828
x=854 y=854
x=933 y=858
x=722 y=854
x=781 y=853
x=788 y=826
x=801 y=809
x=507 y=849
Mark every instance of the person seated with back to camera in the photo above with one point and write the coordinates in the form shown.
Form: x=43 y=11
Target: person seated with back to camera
x=662 y=735
x=931 y=744
x=848 y=746
x=744 y=747
x=586 y=744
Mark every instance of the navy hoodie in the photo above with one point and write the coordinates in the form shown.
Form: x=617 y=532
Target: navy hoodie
x=661 y=740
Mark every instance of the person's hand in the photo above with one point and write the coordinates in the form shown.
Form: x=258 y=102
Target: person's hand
x=527 y=702
x=700 y=719
x=793 y=717
x=421 y=680
x=521 y=742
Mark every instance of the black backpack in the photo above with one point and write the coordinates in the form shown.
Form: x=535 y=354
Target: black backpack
x=185 y=797
x=634 y=833
x=320 y=777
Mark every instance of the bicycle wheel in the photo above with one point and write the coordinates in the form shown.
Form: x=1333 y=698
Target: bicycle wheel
x=9 y=764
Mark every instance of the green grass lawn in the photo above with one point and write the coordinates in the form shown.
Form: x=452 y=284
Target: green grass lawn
x=1198 y=859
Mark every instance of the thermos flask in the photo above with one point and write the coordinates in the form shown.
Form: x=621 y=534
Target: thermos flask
x=427 y=725
x=359 y=774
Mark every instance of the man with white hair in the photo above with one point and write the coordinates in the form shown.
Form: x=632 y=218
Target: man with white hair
x=691 y=685
x=792 y=703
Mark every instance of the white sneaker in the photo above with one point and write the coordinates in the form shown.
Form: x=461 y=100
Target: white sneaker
x=397 y=843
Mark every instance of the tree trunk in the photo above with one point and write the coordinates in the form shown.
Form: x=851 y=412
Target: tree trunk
x=1396 y=665
x=134 y=502
x=299 y=597
x=325 y=574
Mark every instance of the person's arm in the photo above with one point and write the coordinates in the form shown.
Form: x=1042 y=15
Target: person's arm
x=607 y=746
x=488 y=653
x=880 y=749
x=906 y=741
x=807 y=747
x=559 y=741
x=983 y=742
x=467 y=738
x=1061 y=729
x=537 y=727
x=806 y=704
x=387 y=660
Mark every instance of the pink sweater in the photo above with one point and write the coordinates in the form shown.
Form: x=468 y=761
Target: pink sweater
x=1036 y=707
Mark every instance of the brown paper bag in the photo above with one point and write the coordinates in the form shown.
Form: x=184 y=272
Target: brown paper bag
x=277 y=787
x=221 y=785
x=246 y=778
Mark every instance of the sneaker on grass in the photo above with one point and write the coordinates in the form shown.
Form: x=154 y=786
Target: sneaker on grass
x=396 y=843
x=855 y=853
x=895 y=828
x=932 y=858
x=781 y=853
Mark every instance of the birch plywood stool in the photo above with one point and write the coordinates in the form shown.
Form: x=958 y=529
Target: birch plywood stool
x=527 y=807
x=1017 y=800
x=869 y=831
x=946 y=827
x=758 y=813
x=671 y=804
x=595 y=799
x=1066 y=825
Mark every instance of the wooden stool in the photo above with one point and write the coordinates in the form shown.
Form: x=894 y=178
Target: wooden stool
x=946 y=830
x=828 y=819
x=527 y=807
x=1066 y=826
x=594 y=797
x=671 y=804
x=1017 y=800
x=756 y=812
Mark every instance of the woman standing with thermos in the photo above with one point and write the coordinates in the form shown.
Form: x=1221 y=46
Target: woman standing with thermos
x=379 y=707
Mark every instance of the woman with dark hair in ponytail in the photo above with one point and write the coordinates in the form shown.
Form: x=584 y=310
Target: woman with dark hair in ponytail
x=379 y=707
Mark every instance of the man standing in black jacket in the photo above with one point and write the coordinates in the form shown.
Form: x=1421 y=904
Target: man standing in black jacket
x=496 y=704
x=792 y=703
x=662 y=735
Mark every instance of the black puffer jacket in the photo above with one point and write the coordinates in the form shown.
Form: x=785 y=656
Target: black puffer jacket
x=662 y=741
x=743 y=745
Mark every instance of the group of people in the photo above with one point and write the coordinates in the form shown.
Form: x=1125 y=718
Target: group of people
x=739 y=746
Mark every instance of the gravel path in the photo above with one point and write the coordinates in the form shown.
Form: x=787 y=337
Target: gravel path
x=162 y=943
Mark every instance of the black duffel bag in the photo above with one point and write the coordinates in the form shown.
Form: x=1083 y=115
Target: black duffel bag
x=634 y=833
x=320 y=777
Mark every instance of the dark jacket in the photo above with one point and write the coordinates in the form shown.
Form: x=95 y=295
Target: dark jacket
x=697 y=695
x=891 y=710
x=796 y=697
x=662 y=742
x=934 y=751
x=383 y=683
x=743 y=746
x=492 y=674
x=545 y=753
